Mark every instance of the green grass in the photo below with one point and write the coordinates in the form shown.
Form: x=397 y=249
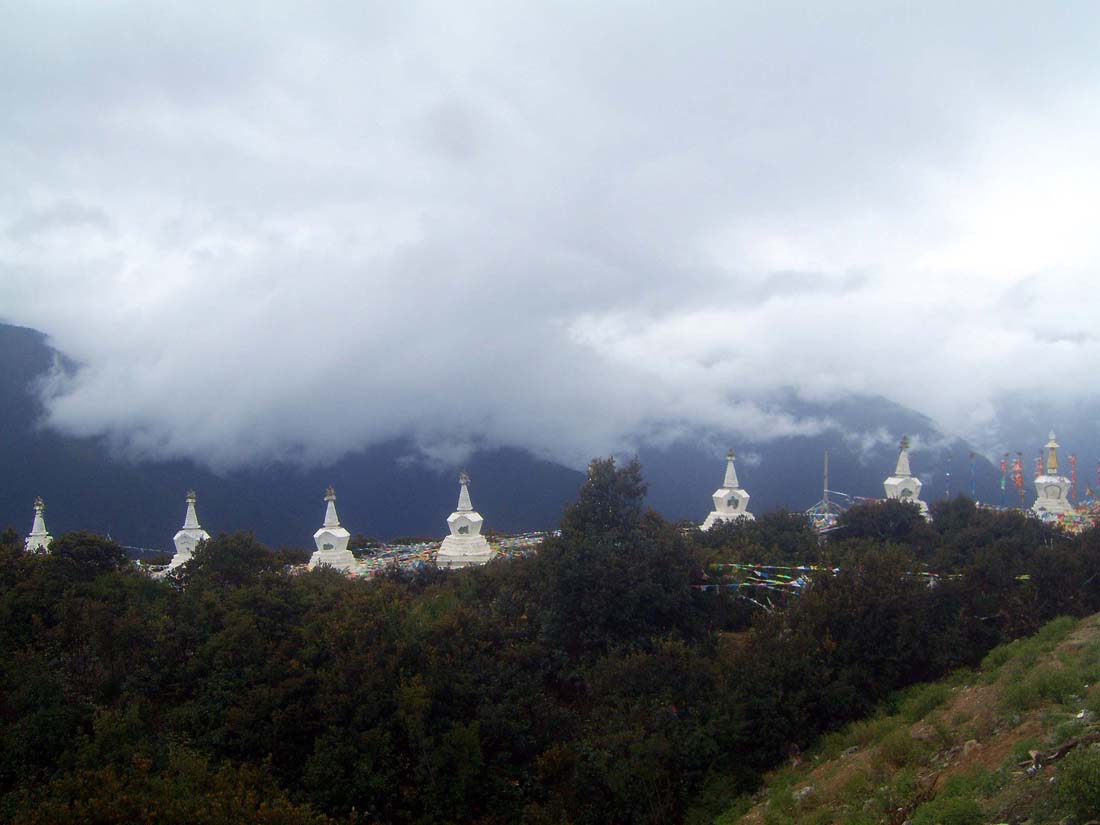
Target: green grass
x=949 y=811
x=893 y=772
x=1046 y=682
x=920 y=700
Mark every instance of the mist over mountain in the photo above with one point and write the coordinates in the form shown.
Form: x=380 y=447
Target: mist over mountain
x=391 y=488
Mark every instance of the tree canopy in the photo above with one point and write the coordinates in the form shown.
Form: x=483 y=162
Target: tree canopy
x=593 y=682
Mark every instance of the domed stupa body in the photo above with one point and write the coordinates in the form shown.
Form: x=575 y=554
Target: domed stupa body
x=38 y=540
x=903 y=485
x=465 y=546
x=332 y=540
x=189 y=535
x=1052 y=488
x=731 y=501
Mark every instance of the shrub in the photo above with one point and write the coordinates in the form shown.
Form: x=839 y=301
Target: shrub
x=1092 y=699
x=1020 y=695
x=1056 y=683
x=921 y=699
x=901 y=749
x=949 y=811
x=1056 y=630
x=872 y=730
x=1043 y=682
x=995 y=658
x=1079 y=782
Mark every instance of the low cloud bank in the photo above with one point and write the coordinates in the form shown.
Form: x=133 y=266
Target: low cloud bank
x=567 y=229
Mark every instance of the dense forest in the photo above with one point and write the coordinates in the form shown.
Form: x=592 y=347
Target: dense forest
x=593 y=682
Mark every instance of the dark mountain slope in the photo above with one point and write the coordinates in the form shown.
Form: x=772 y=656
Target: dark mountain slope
x=383 y=494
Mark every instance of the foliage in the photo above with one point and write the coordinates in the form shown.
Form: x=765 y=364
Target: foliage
x=949 y=810
x=893 y=520
x=1079 y=782
x=589 y=683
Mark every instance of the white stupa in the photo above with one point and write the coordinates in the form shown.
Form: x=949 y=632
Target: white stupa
x=1052 y=488
x=189 y=536
x=332 y=539
x=903 y=485
x=731 y=502
x=38 y=540
x=465 y=546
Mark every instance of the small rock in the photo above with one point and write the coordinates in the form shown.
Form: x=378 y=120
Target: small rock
x=851 y=750
x=802 y=793
x=969 y=746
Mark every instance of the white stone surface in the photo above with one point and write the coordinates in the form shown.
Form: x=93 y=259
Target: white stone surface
x=188 y=538
x=465 y=546
x=1052 y=488
x=38 y=540
x=903 y=485
x=731 y=501
x=332 y=540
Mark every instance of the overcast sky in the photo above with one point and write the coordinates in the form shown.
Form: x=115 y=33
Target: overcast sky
x=291 y=230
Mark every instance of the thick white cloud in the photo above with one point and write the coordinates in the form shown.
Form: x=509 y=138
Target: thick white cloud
x=293 y=230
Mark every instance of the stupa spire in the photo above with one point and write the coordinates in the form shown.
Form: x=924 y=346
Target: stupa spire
x=331 y=519
x=38 y=540
x=191 y=518
x=730 y=482
x=1052 y=455
x=902 y=470
x=464 y=504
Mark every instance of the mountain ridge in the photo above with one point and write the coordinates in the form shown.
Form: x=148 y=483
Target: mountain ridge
x=385 y=490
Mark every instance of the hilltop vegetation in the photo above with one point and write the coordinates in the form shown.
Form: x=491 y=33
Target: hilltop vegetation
x=588 y=684
x=1013 y=740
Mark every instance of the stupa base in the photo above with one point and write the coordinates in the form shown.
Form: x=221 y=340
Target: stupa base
x=458 y=552
x=336 y=559
x=717 y=518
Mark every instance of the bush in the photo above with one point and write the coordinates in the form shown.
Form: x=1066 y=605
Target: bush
x=1050 y=682
x=1079 y=782
x=995 y=658
x=869 y=731
x=1056 y=630
x=901 y=749
x=1020 y=695
x=949 y=811
x=920 y=700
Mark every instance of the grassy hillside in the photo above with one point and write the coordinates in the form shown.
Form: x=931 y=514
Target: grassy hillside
x=1016 y=741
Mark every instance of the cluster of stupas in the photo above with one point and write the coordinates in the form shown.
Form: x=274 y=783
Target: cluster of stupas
x=731 y=500
x=465 y=546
